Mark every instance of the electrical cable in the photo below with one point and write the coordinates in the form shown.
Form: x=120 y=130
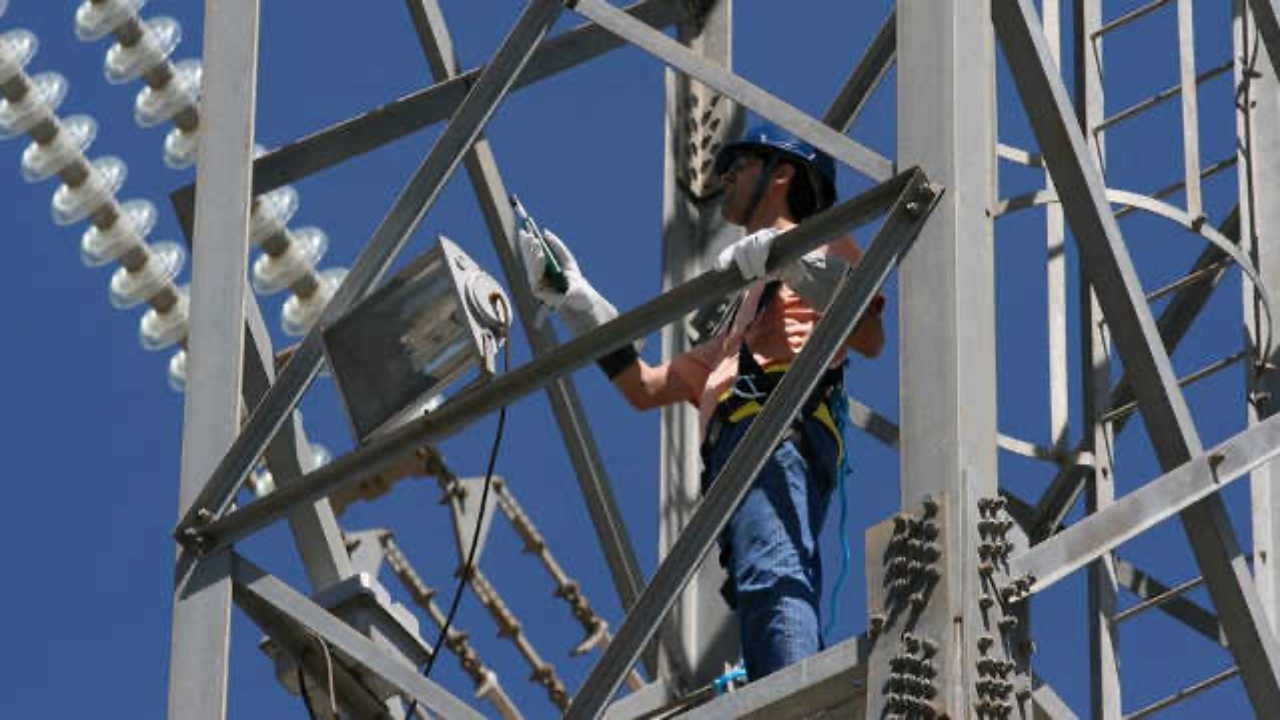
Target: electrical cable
x=465 y=575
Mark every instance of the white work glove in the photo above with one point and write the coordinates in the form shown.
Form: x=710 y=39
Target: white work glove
x=750 y=254
x=581 y=307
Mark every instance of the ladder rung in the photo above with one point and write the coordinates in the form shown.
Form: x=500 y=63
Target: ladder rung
x=1205 y=273
x=1129 y=17
x=1185 y=693
x=1164 y=192
x=1158 y=600
x=1118 y=412
x=1161 y=97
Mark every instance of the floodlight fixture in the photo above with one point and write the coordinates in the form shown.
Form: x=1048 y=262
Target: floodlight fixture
x=396 y=351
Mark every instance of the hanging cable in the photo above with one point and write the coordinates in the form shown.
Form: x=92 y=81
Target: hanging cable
x=505 y=313
x=840 y=413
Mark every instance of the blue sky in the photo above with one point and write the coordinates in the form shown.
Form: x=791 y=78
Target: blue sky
x=93 y=431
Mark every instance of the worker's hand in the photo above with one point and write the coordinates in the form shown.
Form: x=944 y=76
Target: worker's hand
x=535 y=265
x=750 y=254
x=581 y=307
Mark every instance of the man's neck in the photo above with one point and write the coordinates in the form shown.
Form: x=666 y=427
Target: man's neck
x=778 y=222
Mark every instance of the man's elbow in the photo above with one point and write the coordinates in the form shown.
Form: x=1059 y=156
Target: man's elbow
x=637 y=396
x=868 y=339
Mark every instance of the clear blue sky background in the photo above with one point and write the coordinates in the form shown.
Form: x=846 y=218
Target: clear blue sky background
x=92 y=432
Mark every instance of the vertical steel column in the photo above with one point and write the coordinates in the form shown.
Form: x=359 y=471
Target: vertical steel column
x=1258 y=151
x=1104 y=669
x=946 y=122
x=1190 y=109
x=199 y=650
x=491 y=194
x=697 y=636
x=1056 y=273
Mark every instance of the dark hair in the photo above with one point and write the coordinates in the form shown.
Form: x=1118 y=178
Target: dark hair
x=802 y=200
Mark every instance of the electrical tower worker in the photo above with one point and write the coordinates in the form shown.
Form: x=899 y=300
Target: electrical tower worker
x=772 y=181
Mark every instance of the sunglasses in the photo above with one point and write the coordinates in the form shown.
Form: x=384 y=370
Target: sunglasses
x=740 y=163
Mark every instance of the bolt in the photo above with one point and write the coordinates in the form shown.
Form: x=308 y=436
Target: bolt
x=930 y=506
x=899 y=523
x=877 y=622
x=985 y=642
x=985 y=601
x=909 y=642
x=984 y=504
x=998 y=503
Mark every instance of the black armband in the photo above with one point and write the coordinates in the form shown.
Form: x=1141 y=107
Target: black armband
x=619 y=360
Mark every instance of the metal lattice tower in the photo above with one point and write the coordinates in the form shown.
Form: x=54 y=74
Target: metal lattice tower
x=952 y=577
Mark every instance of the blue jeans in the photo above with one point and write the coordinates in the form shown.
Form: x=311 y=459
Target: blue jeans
x=770 y=546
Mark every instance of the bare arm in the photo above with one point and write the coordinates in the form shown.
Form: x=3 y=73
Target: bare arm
x=868 y=335
x=646 y=387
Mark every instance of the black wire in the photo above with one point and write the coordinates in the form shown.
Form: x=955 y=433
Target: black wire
x=475 y=534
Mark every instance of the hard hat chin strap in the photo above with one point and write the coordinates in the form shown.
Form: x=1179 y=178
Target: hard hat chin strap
x=762 y=184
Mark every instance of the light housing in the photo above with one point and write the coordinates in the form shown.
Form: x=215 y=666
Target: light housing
x=423 y=330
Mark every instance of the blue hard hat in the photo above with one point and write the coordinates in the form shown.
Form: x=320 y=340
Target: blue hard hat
x=767 y=137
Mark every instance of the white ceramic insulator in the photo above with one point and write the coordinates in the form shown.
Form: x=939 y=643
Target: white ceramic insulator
x=75 y=134
x=99 y=246
x=164 y=262
x=271 y=213
x=17 y=47
x=155 y=106
x=41 y=102
x=73 y=204
x=180 y=148
x=95 y=19
x=159 y=330
x=299 y=313
x=160 y=37
x=178 y=371
x=271 y=274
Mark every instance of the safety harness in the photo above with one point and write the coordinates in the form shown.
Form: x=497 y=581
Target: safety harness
x=745 y=399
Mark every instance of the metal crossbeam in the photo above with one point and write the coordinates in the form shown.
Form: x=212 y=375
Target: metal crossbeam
x=730 y=486
x=865 y=77
x=1158 y=500
x=394 y=231
x=1164 y=410
x=257 y=590
x=533 y=376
